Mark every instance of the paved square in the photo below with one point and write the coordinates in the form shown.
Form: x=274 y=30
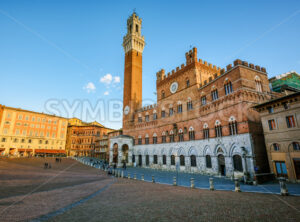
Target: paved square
x=71 y=191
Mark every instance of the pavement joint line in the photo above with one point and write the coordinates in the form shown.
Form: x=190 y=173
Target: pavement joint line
x=25 y=196
x=72 y=205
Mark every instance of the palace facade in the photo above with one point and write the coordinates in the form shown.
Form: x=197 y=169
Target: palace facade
x=203 y=120
x=84 y=139
x=28 y=133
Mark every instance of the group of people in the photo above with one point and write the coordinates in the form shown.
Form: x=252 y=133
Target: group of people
x=47 y=165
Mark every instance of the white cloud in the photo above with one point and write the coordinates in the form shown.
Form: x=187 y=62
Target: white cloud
x=90 y=87
x=106 y=93
x=116 y=79
x=106 y=79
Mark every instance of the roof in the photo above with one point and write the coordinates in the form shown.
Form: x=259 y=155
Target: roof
x=29 y=111
x=277 y=99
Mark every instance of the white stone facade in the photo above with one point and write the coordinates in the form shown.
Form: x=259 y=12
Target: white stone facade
x=227 y=146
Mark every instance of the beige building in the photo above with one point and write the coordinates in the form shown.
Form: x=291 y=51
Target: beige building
x=281 y=123
x=28 y=133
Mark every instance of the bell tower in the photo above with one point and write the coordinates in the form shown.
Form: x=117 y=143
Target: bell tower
x=133 y=44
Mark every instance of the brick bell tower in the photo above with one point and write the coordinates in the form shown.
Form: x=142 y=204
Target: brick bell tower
x=133 y=44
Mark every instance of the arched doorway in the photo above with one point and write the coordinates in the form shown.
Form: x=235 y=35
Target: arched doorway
x=221 y=162
x=140 y=160
x=125 y=153
x=115 y=153
x=237 y=163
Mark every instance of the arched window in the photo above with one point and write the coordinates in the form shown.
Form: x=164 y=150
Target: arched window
x=147 y=139
x=237 y=163
x=218 y=128
x=214 y=95
x=193 y=161
x=154 y=115
x=164 y=159
x=179 y=107
x=140 y=140
x=187 y=81
x=154 y=138
x=258 y=85
x=163 y=138
x=296 y=146
x=228 y=87
x=189 y=104
x=232 y=126
x=172 y=160
x=171 y=136
x=208 y=161
x=133 y=158
x=191 y=133
x=140 y=119
x=147 y=160
x=276 y=147
x=205 y=131
x=180 y=135
x=155 y=159
x=162 y=94
x=182 y=160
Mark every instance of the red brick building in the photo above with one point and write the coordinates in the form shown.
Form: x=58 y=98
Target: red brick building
x=203 y=120
x=83 y=139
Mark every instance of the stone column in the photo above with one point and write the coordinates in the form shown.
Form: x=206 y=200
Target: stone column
x=168 y=161
x=130 y=157
x=229 y=166
x=201 y=164
x=177 y=161
x=215 y=164
x=144 y=160
x=120 y=155
x=187 y=161
x=151 y=160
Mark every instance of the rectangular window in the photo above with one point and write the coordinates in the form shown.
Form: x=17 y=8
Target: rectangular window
x=20 y=117
x=163 y=114
x=228 y=88
x=171 y=112
x=218 y=130
x=163 y=139
x=214 y=95
x=232 y=128
x=171 y=138
x=154 y=140
x=270 y=109
x=206 y=133
x=147 y=140
x=189 y=105
x=180 y=137
x=281 y=169
x=179 y=108
x=154 y=116
x=203 y=100
x=140 y=141
x=290 y=121
x=139 y=119
x=147 y=118
x=272 y=124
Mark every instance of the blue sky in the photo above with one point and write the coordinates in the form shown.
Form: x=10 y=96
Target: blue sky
x=53 y=50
